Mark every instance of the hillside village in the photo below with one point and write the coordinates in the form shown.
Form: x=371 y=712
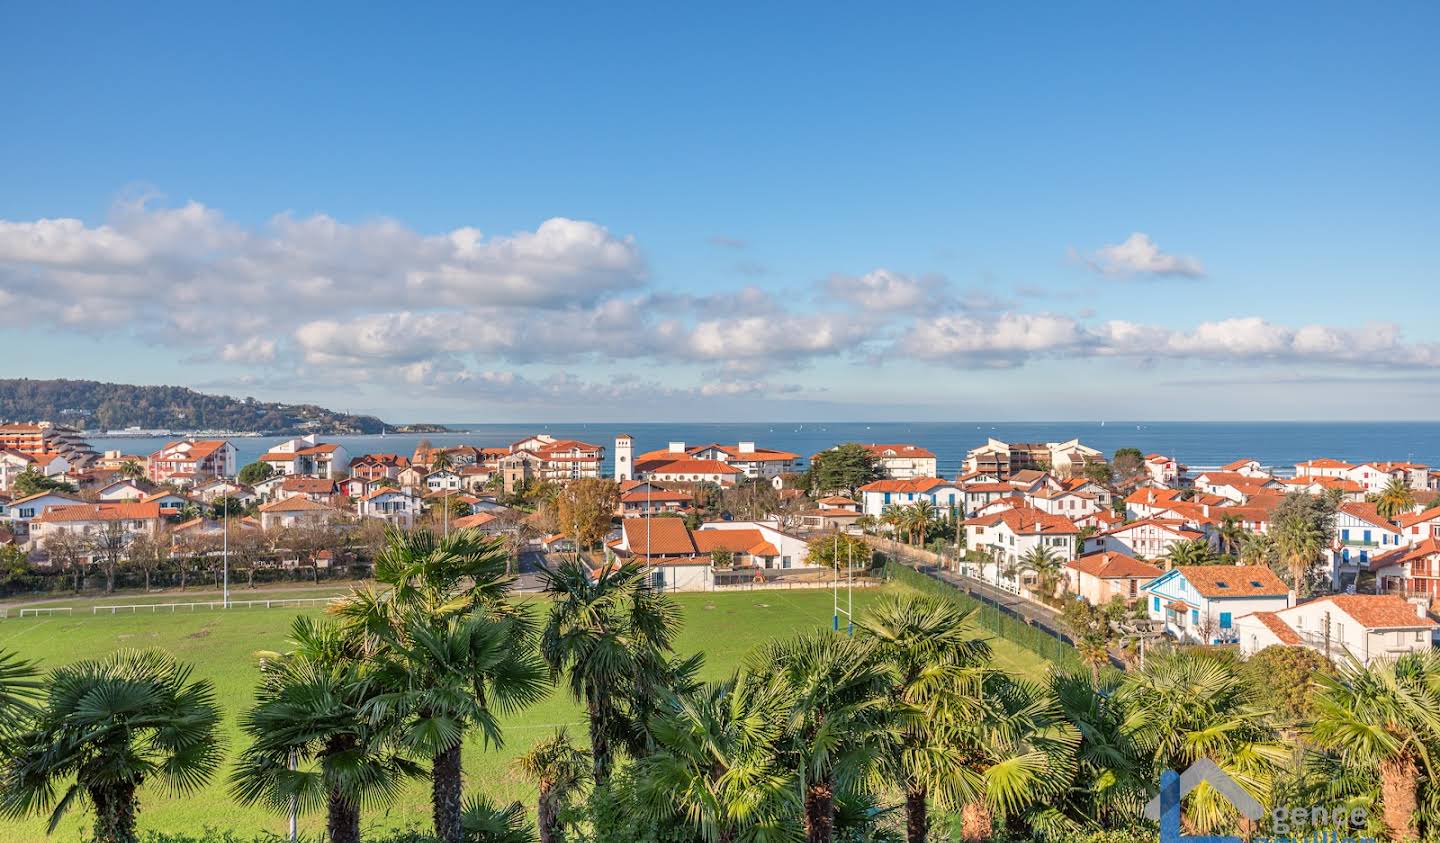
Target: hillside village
x=1328 y=554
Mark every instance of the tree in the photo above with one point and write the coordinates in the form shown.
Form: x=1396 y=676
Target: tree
x=559 y=770
x=103 y=729
x=937 y=657
x=484 y=821
x=609 y=639
x=312 y=714
x=1285 y=679
x=450 y=652
x=1091 y=632
x=31 y=482
x=1128 y=464
x=1395 y=499
x=1105 y=787
x=1191 y=552
x=132 y=470
x=69 y=551
x=19 y=687
x=716 y=766
x=1046 y=565
x=256 y=472
x=920 y=518
x=226 y=506
x=441 y=461
x=1258 y=549
x=108 y=546
x=149 y=552
x=1302 y=525
x=1184 y=706
x=840 y=550
x=585 y=509
x=838 y=721
x=1232 y=535
x=843 y=468
x=1097 y=472
x=1382 y=718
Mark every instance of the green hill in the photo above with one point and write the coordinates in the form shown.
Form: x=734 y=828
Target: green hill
x=112 y=406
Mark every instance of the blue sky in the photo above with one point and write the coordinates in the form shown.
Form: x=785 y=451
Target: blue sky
x=807 y=212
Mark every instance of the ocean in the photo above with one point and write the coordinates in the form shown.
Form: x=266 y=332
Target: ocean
x=1196 y=444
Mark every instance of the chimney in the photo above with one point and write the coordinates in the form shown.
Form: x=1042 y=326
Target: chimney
x=747 y=447
x=677 y=447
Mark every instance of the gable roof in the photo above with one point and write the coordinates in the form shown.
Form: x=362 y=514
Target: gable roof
x=1379 y=611
x=1369 y=513
x=1413 y=518
x=687 y=466
x=1233 y=580
x=913 y=485
x=1112 y=565
x=1277 y=626
x=100 y=512
x=298 y=503
x=751 y=542
x=658 y=537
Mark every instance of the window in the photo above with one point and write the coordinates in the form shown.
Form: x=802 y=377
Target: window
x=1224 y=620
x=1194 y=615
x=1155 y=603
x=1419 y=636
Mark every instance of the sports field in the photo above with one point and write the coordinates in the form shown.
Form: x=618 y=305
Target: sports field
x=220 y=646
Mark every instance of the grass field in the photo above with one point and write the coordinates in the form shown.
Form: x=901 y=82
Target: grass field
x=220 y=646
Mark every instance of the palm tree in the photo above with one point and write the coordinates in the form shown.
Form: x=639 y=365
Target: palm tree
x=1257 y=549
x=1192 y=552
x=921 y=517
x=104 y=728
x=1395 y=499
x=1107 y=789
x=448 y=651
x=559 y=770
x=937 y=656
x=609 y=637
x=18 y=687
x=1384 y=718
x=716 y=764
x=1017 y=754
x=839 y=717
x=1299 y=542
x=1046 y=565
x=441 y=461
x=483 y=821
x=442 y=676
x=1232 y=535
x=312 y=710
x=1185 y=706
x=132 y=470
x=893 y=516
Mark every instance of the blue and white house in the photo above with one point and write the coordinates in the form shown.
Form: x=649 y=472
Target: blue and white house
x=1200 y=603
x=1361 y=534
x=945 y=495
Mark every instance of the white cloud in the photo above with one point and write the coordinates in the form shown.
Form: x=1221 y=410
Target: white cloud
x=1139 y=255
x=885 y=291
x=251 y=350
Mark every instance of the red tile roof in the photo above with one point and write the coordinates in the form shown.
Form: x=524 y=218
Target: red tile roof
x=1112 y=565
x=1233 y=580
x=1379 y=611
x=658 y=537
x=100 y=512
x=687 y=467
x=917 y=484
x=1281 y=629
x=1368 y=512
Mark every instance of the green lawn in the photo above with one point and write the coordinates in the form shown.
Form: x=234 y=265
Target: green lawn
x=219 y=645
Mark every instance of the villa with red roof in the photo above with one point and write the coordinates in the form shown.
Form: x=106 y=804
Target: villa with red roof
x=1366 y=627
x=1100 y=577
x=307 y=455
x=944 y=495
x=900 y=462
x=190 y=460
x=1200 y=603
x=753 y=462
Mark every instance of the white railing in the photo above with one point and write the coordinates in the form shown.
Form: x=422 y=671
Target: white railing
x=45 y=611
x=135 y=608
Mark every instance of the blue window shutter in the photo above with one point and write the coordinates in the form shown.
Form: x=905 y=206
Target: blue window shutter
x=1367 y=535
x=1224 y=620
x=887 y=498
x=1155 y=604
x=1194 y=615
x=1344 y=535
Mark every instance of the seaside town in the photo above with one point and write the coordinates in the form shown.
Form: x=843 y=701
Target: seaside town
x=1326 y=554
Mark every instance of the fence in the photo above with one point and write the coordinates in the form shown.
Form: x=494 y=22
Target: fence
x=278 y=603
x=1047 y=643
x=45 y=611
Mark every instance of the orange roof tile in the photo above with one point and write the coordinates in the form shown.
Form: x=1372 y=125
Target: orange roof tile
x=1280 y=629
x=658 y=537
x=1233 y=580
x=1112 y=565
x=100 y=512
x=1380 y=611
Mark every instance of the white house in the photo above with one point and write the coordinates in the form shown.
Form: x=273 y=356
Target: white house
x=12 y=465
x=1247 y=467
x=1200 y=603
x=24 y=510
x=444 y=480
x=689 y=471
x=1413 y=570
x=1148 y=538
x=397 y=506
x=298 y=511
x=762 y=542
x=308 y=455
x=89 y=519
x=667 y=549
x=1072 y=505
x=1162 y=470
x=120 y=490
x=1360 y=533
x=1367 y=627
x=751 y=461
x=1008 y=536
x=944 y=495
x=1420 y=525
x=190 y=460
